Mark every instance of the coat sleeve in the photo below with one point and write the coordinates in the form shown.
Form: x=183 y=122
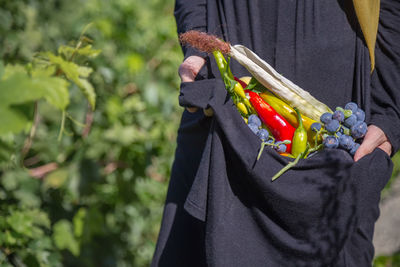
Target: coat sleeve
x=191 y=15
x=385 y=107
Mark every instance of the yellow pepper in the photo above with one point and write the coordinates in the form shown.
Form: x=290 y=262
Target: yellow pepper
x=238 y=89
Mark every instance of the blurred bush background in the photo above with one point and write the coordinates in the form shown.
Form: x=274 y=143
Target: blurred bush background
x=95 y=198
x=102 y=204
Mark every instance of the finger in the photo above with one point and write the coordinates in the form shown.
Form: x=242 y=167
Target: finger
x=209 y=112
x=189 y=69
x=374 y=137
x=367 y=146
x=192 y=109
x=387 y=147
x=186 y=74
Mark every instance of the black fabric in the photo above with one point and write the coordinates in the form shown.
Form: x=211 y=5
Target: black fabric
x=191 y=15
x=222 y=208
x=386 y=78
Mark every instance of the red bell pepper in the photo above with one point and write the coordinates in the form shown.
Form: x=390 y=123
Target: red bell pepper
x=277 y=125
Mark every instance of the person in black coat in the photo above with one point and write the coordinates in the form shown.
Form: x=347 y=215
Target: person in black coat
x=319 y=46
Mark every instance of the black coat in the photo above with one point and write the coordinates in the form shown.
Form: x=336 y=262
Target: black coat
x=221 y=208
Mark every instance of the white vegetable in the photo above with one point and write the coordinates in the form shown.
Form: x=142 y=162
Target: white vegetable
x=282 y=87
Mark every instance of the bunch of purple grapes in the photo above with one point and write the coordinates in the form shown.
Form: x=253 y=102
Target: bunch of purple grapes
x=344 y=128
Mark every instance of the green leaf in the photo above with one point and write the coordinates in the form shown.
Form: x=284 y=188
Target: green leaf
x=21 y=223
x=56 y=89
x=17 y=87
x=1 y=69
x=88 y=51
x=84 y=71
x=39 y=218
x=253 y=83
x=10 y=70
x=79 y=222
x=88 y=91
x=74 y=74
x=9 y=238
x=66 y=51
x=11 y=121
x=134 y=62
x=63 y=237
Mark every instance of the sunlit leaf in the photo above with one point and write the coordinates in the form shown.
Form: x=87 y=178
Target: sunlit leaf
x=88 y=91
x=135 y=62
x=63 y=237
x=17 y=87
x=88 y=51
x=1 y=69
x=11 y=121
x=74 y=74
x=79 y=222
x=21 y=223
x=84 y=71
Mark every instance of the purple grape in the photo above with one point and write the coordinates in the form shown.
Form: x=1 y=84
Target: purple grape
x=254 y=119
x=350 y=121
x=360 y=114
x=339 y=134
x=353 y=150
x=263 y=134
x=253 y=127
x=281 y=148
x=346 y=142
x=331 y=142
x=332 y=126
x=338 y=115
x=359 y=130
x=352 y=106
x=326 y=117
x=316 y=126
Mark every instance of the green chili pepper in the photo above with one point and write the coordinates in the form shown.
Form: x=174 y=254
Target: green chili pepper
x=242 y=108
x=299 y=144
x=222 y=64
x=234 y=87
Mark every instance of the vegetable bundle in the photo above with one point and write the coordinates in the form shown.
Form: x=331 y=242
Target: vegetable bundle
x=280 y=113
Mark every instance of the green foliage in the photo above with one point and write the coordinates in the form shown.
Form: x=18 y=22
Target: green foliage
x=387 y=261
x=17 y=87
x=395 y=173
x=95 y=197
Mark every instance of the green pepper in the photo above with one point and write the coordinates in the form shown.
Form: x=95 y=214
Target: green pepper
x=232 y=84
x=299 y=144
x=242 y=108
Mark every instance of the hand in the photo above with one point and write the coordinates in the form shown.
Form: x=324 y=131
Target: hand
x=375 y=138
x=188 y=71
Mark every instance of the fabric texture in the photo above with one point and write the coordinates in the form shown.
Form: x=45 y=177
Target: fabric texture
x=222 y=208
